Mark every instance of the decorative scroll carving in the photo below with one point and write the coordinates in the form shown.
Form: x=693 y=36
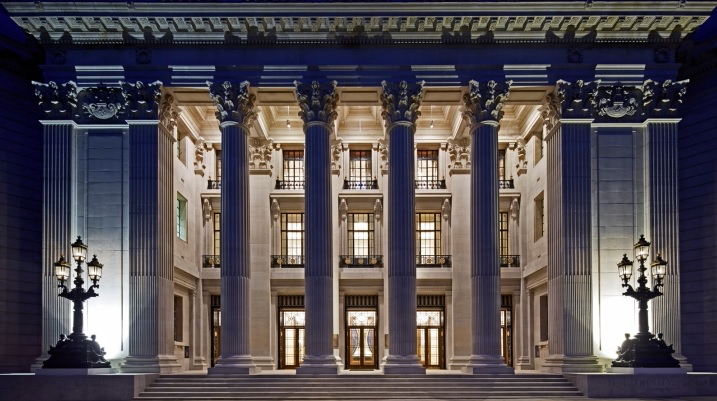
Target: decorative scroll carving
x=578 y=99
x=235 y=103
x=199 y=167
x=446 y=209
x=317 y=102
x=663 y=100
x=515 y=209
x=207 y=210
x=617 y=101
x=400 y=102
x=142 y=100
x=336 y=149
x=168 y=114
x=459 y=153
x=260 y=154
x=550 y=111
x=343 y=209
x=275 y=209
x=522 y=166
x=383 y=153
x=56 y=101
x=378 y=209
x=101 y=103
x=485 y=102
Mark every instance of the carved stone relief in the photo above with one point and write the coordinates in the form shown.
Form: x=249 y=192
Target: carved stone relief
x=343 y=209
x=484 y=102
x=459 y=153
x=522 y=166
x=207 y=210
x=336 y=149
x=260 y=154
x=400 y=102
x=515 y=209
x=199 y=167
x=275 y=209
x=446 y=209
x=317 y=102
x=378 y=209
x=383 y=154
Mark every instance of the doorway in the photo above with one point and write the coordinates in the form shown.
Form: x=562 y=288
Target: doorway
x=361 y=339
x=431 y=331
x=292 y=331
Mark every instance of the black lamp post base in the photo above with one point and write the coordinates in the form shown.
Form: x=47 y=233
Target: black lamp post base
x=76 y=353
x=647 y=353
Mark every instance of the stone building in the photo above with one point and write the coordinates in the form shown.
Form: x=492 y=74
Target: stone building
x=357 y=185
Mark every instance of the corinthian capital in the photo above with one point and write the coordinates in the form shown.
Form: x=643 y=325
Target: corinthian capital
x=101 y=104
x=484 y=103
x=56 y=101
x=578 y=99
x=234 y=102
x=142 y=99
x=401 y=101
x=663 y=100
x=619 y=102
x=317 y=102
x=168 y=114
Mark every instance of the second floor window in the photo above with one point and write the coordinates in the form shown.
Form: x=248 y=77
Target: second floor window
x=539 y=228
x=217 y=233
x=503 y=224
x=181 y=217
x=292 y=234
x=361 y=235
x=293 y=166
x=501 y=164
x=360 y=166
x=427 y=168
x=428 y=234
x=218 y=167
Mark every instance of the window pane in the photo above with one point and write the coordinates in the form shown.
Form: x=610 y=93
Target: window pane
x=427 y=165
x=360 y=165
x=292 y=234
x=294 y=165
x=428 y=234
x=360 y=234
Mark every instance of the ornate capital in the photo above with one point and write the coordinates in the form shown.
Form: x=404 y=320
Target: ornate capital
x=550 y=112
x=663 y=100
x=317 y=102
x=619 y=102
x=234 y=103
x=260 y=154
x=168 y=114
x=485 y=102
x=57 y=101
x=101 y=104
x=378 y=209
x=459 y=153
x=142 y=100
x=382 y=149
x=336 y=148
x=400 y=102
x=578 y=99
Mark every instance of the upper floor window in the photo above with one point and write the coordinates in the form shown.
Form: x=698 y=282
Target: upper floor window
x=539 y=228
x=428 y=234
x=218 y=166
x=501 y=164
x=292 y=234
x=360 y=165
x=361 y=234
x=182 y=147
x=538 y=147
x=503 y=230
x=293 y=170
x=181 y=217
x=427 y=170
x=217 y=233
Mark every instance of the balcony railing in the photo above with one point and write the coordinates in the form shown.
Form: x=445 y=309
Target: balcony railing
x=433 y=261
x=214 y=184
x=281 y=184
x=360 y=184
x=211 y=261
x=361 y=261
x=284 y=261
x=506 y=184
x=509 y=260
x=430 y=184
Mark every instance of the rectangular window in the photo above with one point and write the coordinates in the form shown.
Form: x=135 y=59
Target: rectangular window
x=360 y=232
x=217 y=233
x=501 y=164
x=503 y=230
x=538 y=147
x=292 y=234
x=182 y=147
x=360 y=166
x=293 y=166
x=181 y=217
x=427 y=169
x=428 y=234
x=543 y=318
x=218 y=166
x=178 y=318
x=539 y=228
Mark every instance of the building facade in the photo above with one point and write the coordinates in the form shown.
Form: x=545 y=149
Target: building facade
x=358 y=185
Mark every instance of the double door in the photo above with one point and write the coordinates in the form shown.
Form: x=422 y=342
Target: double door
x=361 y=344
x=430 y=344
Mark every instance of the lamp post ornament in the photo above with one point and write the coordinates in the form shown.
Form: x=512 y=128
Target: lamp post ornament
x=76 y=351
x=644 y=351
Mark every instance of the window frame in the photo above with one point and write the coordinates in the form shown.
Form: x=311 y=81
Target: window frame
x=539 y=212
x=284 y=232
x=427 y=160
x=370 y=234
x=217 y=233
x=293 y=165
x=503 y=233
x=181 y=217
x=437 y=234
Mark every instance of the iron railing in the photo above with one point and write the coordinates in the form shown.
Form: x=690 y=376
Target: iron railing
x=431 y=184
x=281 y=184
x=509 y=260
x=284 y=261
x=214 y=184
x=433 y=260
x=506 y=184
x=211 y=261
x=360 y=184
x=361 y=261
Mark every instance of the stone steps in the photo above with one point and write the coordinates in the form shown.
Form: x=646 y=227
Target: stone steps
x=356 y=386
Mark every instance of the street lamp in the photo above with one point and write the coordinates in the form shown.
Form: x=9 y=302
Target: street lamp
x=77 y=351
x=644 y=351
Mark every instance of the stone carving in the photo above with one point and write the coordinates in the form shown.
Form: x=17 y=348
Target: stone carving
x=617 y=101
x=142 y=99
x=317 y=102
x=101 y=103
x=459 y=153
x=577 y=99
x=446 y=209
x=515 y=209
x=400 y=102
x=260 y=154
x=550 y=112
x=199 y=167
x=383 y=153
x=275 y=209
x=343 y=209
x=663 y=100
x=378 y=209
x=336 y=149
x=207 y=210
x=168 y=114
x=485 y=102
x=522 y=166
x=56 y=101
x=235 y=103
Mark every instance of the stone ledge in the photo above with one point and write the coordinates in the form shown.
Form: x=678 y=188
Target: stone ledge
x=617 y=385
x=112 y=387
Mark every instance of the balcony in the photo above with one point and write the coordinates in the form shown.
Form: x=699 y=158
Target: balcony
x=430 y=184
x=291 y=185
x=506 y=184
x=361 y=261
x=360 y=184
x=211 y=261
x=214 y=184
x=433 y=261
x=287 y=261
x=509 y=260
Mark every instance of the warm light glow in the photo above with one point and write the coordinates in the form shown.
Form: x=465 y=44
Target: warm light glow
x=62 y=269
x=94 y=269
x=79 y=250
x=642 y=248
x=659 y=269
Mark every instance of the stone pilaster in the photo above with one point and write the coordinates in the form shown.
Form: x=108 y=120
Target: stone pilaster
x=568 y=201
x=400 y=110
x=525 y=360
x=482 y=111
x=318 y=111
x=151 y=230
x=236 y=113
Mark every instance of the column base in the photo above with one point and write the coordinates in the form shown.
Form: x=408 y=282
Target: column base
x=318 y=365
x=199 y=363
x=458 y=362
x=487 y=365
x=234 y=365
x=264 y=363
x=524 y=363
x=151 y=364
x=403 y=365
x=572 y=364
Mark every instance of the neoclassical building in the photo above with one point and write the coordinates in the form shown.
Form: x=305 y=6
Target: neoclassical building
x=357 y=185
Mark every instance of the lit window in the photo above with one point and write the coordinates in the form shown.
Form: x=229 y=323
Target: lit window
x=360 y=233
x=294 y=168
x=292 y=234
x=503 y=233
x=360 y=166
x=427 y=169
x=181 y=217
x=217 y=233
x=501 y=164
x=428 y=234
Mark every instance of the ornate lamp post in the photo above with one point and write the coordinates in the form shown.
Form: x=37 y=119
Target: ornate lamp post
x=76 y=351
x=644 y=351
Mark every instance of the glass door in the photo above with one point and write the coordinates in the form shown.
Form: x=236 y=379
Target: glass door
x=291 y=339
x=430 y=339
x=361 y=340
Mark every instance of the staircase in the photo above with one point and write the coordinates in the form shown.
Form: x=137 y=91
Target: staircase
x=357 y=387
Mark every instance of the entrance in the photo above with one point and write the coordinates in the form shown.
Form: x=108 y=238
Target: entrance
x=430 y=331
x=216 y=330
x=292 y=331
x=361 y=340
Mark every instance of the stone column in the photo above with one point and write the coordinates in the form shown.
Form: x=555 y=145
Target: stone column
x=236 y=114
x=482 y=111
x=318 y=111
x=524 y=362
x=568 y=200
x=400 y=110
x=58 y=106
x=151 y=229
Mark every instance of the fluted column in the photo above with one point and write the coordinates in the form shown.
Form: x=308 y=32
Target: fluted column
x=236 y=113
x=318 y=111
x=151 y=231
x=568 y=203
x=482 y=110
x=400 y=110
x=57 y=103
